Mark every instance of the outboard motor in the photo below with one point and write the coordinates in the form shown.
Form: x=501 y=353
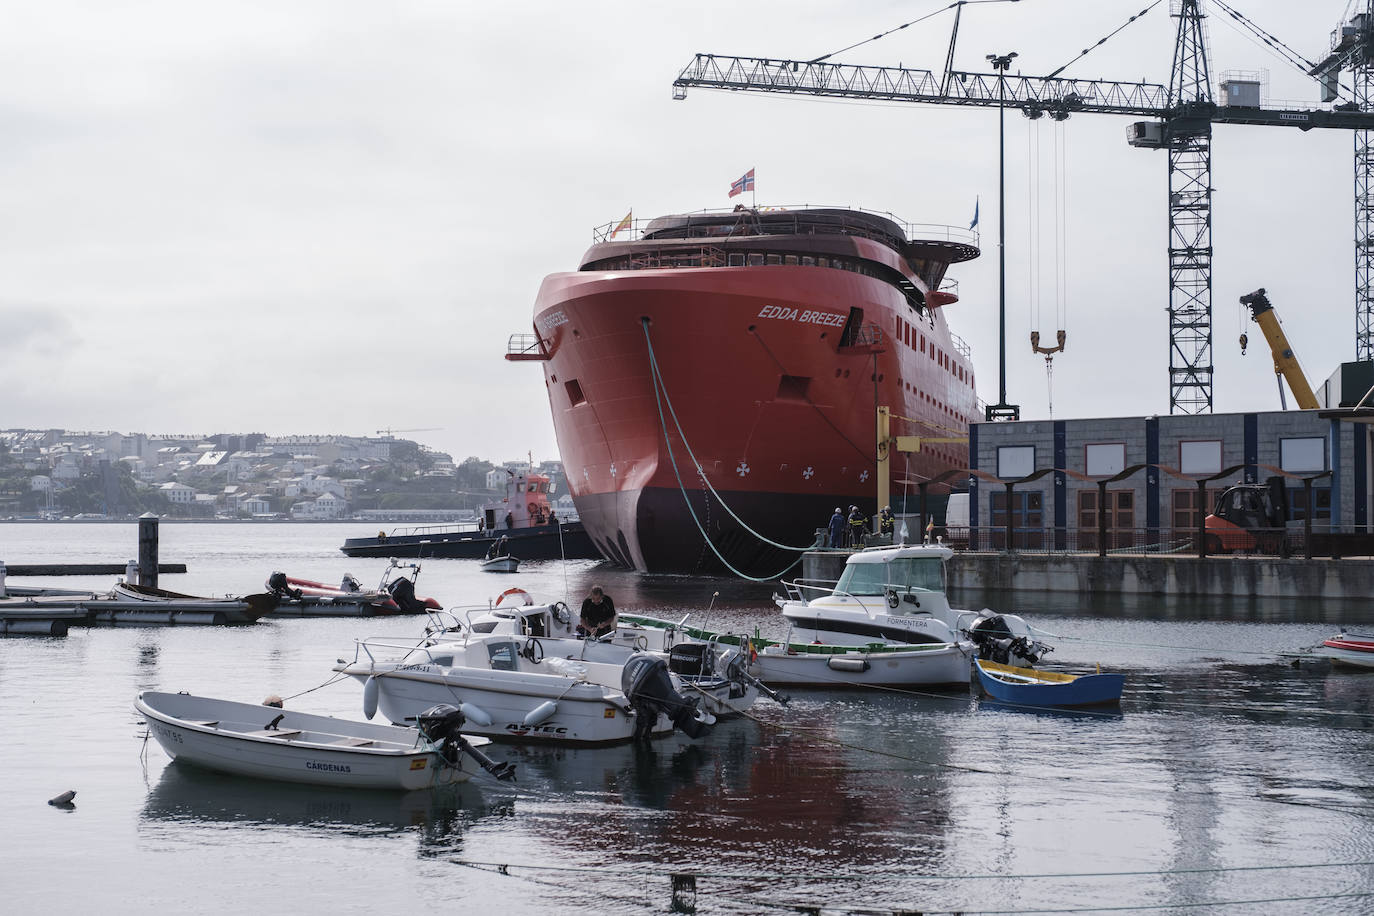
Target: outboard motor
x=996 y=643
x=690 y=659
x=402 y=591
x=278 y=585
x=349 y=583
x=441 y=726
x=650 y=690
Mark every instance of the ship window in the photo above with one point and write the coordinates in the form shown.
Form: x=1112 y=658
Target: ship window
x=923 y=343
x=793 y=387
x=790 y=260
x=774 y=259
x=575 y=395
x=822 y=262
x=808 y=261
x=755 y=260
x=736 y=259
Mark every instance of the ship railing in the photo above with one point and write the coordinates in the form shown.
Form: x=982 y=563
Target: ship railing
x=525 y=347
x=448 y=528
x=961 y=346
x=806 y=590
x=915 y=232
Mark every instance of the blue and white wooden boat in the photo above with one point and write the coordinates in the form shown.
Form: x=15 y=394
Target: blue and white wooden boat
x=1030 y=687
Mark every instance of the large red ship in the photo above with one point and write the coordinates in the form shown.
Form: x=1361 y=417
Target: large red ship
x=714 y=379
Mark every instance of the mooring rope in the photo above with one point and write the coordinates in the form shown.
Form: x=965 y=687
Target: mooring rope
x=663 y=426
x=659 y=383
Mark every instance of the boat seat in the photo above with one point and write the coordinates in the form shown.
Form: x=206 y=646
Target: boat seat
x=274 y=733
x=352 y=742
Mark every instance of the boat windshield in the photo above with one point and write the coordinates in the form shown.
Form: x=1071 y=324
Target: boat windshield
x=920 y=573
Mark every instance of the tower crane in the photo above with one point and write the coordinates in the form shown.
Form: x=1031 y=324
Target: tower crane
x=1182 y=114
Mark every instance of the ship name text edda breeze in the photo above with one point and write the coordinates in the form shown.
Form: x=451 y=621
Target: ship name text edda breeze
x=714 y=378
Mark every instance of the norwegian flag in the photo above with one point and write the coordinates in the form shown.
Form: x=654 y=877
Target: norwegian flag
x=743 y=183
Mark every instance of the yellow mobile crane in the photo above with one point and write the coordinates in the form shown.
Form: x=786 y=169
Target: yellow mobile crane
x=1285 y=363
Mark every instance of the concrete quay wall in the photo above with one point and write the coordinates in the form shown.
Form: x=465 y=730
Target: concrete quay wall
x=1260 y=577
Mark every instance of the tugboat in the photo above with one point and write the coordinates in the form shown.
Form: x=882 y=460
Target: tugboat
x=524 y=517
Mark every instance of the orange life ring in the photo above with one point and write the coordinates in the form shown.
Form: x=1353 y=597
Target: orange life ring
x=532 y=508
x=514 y=591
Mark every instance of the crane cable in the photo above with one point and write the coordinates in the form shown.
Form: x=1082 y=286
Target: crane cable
x=932 y=15
x=1103 y=40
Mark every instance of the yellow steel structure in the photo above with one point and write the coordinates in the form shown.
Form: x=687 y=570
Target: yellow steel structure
x=887 y=443
x=1285 y=363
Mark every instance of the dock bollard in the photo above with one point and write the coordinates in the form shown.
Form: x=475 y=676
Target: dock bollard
x=147 y=549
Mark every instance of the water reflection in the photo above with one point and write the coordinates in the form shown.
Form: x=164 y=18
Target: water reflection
x=187 y=794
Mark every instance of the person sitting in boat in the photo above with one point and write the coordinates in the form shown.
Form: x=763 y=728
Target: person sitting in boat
x=837 y=528
x=598 y=614
x=887 y=522
x=499 y=548
x=856 y=527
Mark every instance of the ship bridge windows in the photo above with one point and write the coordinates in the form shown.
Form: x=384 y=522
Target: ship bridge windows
x=736 y=259
x=574 y=390
x=755 y=259
x=774 y=259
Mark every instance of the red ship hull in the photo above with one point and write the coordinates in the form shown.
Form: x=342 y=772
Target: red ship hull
x=767 y=398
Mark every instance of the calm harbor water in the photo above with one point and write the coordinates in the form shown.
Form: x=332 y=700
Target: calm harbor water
x=1228 y=773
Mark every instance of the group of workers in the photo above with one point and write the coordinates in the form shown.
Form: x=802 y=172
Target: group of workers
x=848 y=531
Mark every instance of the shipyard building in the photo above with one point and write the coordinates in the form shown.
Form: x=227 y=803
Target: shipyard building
x=1155 y=476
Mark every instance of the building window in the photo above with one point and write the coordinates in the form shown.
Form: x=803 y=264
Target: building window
x=1187 y=513
x=1306 y=454
x=1104 y=459
x=1202 y=457
x=1120 y=518
x=1015 y=461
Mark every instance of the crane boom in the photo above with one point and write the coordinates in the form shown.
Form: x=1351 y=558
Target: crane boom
x=1033 y=94
x=1285 y=363
x=1183 y=114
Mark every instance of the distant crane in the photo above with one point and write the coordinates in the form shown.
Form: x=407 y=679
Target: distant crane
x=419 y=429
x=1184 y=112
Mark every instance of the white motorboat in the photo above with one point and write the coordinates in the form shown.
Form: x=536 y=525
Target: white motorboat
x=1355 y=650
x=272 y=743
x=895 y=596
x=499 y=559
x=715 y=673
x=793 y=664
x=509 y=686
x=130 y=602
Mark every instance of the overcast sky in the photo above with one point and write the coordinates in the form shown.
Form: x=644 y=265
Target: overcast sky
x=328 y=217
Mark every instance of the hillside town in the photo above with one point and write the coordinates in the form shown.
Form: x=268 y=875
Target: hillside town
x=67 y=474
